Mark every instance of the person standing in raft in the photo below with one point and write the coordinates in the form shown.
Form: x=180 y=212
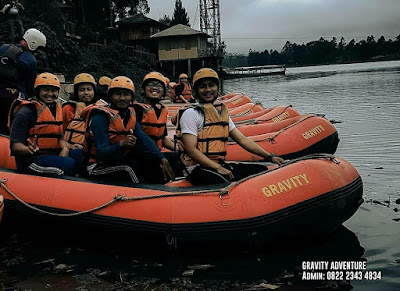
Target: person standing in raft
x=36 y=131
x=204 y=129
x=18 y=70
x=115 y=144
x=153 y=116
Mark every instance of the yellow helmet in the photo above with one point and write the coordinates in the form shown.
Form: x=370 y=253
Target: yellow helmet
x=84 y=78
x=167 y=80
x=122 y=82
x=204 y=73
x=155 y=76
x=181 y=76
x=47 y=79
x=104 y=81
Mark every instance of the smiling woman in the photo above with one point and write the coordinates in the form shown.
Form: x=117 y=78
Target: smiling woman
x=36 y=131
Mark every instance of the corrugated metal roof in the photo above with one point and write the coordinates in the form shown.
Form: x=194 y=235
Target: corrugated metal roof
x=177 y=30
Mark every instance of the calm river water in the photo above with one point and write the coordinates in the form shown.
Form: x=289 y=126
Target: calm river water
x=365 y=98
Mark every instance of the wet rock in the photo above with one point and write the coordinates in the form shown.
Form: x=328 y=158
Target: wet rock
x=263 y=286
x=379 y=168
x=61 y=267
x=188 y=273
x=200 y=267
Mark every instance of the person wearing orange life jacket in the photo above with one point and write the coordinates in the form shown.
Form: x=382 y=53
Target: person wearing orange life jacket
x=115 y=145
x=183 y=90
x=36 y=131
x=204 y=130
x=73 y=124
x=153 y=116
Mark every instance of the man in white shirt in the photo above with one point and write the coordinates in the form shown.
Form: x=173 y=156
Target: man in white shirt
x=204 y=129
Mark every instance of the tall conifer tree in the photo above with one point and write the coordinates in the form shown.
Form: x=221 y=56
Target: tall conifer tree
x=180 y=15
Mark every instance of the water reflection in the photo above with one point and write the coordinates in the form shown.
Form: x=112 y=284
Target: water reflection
x=39 y=254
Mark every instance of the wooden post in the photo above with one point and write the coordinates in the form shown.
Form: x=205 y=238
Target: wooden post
x=189 y=68
x=173 y=69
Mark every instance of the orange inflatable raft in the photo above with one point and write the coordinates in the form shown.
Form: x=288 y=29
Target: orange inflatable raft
x=310 y=134
x=312 y=195
x=247 y=108
x=273 y=114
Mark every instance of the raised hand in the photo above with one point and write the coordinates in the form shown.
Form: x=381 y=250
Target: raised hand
x=129 y=141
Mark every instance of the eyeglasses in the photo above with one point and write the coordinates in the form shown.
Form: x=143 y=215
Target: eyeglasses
x=156 y=85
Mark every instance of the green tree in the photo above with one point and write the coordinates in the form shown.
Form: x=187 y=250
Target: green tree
x=180 y=15
x=165 y=20
x=96 y=13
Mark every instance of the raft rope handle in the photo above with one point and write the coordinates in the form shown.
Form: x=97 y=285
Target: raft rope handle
x=287 y=163
x=122 y=198
x=2 y=184
x=284 y=109
x=116 y=198
x=247 y=110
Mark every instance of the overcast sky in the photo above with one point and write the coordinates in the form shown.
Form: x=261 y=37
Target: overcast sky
x=268 y=24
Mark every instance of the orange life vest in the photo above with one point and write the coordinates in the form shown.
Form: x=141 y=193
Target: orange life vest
x=117 y=131
x=171 y=93
x=75 y=131
x=186 y=93
x=47 y=129
x=212 y=140
x=154 y=127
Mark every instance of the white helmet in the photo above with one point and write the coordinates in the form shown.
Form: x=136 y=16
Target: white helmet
x=34 y=38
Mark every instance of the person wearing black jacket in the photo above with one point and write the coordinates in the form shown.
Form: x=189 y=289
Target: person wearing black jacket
x=18 y=70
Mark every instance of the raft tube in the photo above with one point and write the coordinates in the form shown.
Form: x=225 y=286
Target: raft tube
x=313 y=195
x=273 y=114
x=236 y=101
x=261 y=128
x=245 y=109
x=1 y=207
x=313 y=134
